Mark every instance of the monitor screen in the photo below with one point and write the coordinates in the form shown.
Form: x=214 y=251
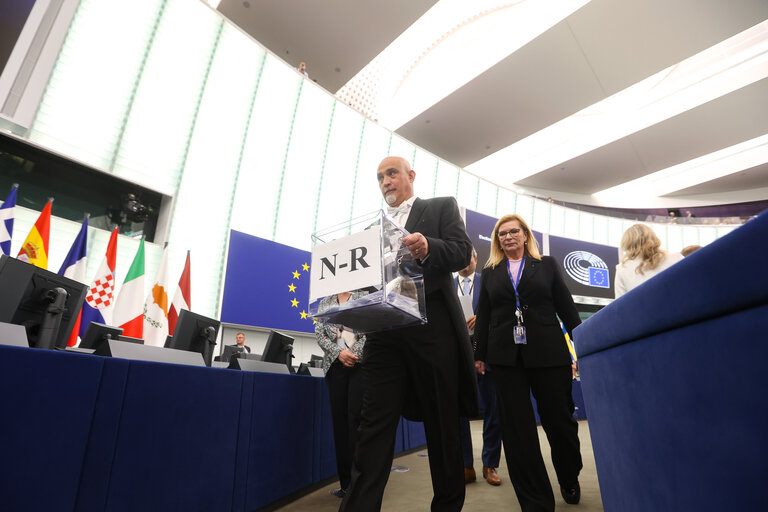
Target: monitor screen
x=96 y=334
x=279 y=349
x=195 y=333
x=46 y=304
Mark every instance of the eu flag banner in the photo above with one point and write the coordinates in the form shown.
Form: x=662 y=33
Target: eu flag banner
x=266 y=285
x=599 y=277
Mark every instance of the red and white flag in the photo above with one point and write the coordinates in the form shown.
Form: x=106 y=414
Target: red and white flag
x=182 y=299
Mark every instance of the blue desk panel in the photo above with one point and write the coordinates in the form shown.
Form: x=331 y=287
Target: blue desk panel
x=87 y=433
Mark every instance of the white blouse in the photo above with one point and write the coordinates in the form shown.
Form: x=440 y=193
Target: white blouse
x=628 y=278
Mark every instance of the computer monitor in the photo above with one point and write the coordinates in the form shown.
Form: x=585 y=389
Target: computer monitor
x=46 y=304
x=279 y=349
x=96 y=334
x=315 y=361
x=230 y=350
x=195 y=333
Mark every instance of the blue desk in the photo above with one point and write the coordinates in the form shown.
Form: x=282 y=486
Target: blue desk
x=87 y=433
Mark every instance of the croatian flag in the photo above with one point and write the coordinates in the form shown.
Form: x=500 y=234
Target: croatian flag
x=74 y=268
x=6 y=221
x=100 y=298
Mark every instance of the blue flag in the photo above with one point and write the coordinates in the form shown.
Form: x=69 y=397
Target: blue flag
x=75 y=262
x=6 y=221
x=599 y=277
x=266 y=285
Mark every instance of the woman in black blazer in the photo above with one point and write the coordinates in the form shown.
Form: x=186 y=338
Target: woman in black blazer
x=518 y=334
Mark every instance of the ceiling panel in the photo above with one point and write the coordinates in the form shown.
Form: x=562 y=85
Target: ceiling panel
x=626 y=42
x=336 y=38
x=541 y=83
x=729 y=120
x=749 y=179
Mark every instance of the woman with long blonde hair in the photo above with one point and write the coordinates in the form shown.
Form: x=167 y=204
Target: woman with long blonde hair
x=642 y=258
x=522 y=294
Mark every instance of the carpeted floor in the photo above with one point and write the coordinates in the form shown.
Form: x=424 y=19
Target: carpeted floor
x=411 y=490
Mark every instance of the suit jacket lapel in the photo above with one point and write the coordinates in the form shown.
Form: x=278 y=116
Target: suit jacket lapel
x=417 y=210
x=531 y=265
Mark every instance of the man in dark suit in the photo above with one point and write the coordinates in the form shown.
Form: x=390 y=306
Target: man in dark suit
x=468 y=283
x=425 y=372
x=240 y=343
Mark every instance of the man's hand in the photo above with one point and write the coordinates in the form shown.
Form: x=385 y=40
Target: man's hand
x=480 y=367
x=417 y=245
x=347 y=358
x=471 y=322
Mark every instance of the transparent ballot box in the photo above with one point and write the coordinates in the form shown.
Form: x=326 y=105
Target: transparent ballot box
x=366 y=256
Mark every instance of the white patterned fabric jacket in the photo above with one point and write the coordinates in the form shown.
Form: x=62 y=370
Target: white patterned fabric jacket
x=328 y=334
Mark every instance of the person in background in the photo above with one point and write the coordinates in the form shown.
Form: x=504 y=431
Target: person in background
x=687 y=251
x=642 y=258
x=519 y=336
x=240 y=343
x=342 y=352
x=468 y=283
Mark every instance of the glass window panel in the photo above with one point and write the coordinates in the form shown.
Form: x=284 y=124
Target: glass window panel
x=506 y=203
x=541 y=215
x=707 y=235
x=674 y=238
x=425 y=165
x=447 y=179
x=615 y=231
x=724 y=230
x=339 y=170
x=467 y=194
x=301 y=178
x=401 y=147
x=261 y=167
x=486 y=198
x=372 y=150
x=83 y=108
x=571 y=224
x=600 y=233
x=204 y=200
x=524 y=207
x=586 y=226
x=690 y=235
x=557 y=220
x=154 y=142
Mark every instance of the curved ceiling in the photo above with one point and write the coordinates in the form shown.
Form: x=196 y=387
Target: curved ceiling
x=623 y=104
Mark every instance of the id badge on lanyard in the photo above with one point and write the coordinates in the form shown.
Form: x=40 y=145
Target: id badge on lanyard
x=519 y=330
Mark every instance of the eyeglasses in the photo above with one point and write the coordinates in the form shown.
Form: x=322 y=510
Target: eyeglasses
x=511 y=232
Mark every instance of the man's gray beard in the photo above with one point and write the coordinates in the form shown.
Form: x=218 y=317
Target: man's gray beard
x=390 y=199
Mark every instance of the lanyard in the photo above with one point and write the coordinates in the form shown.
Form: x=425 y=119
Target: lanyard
x=461 y=288
x=511 y=278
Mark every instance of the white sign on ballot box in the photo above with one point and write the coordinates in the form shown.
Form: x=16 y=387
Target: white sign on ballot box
x=346 y=264
x=386 y=283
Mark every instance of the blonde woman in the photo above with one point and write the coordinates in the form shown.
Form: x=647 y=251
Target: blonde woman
x=642 y=258
x=522 y=294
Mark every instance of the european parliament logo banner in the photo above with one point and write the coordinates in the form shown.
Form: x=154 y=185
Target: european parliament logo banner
x=266 y=285
x=479 y=229
x=589 y=269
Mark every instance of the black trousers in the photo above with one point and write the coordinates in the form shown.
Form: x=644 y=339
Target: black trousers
x=420 y=362
x=551 y=388
x=345 y=388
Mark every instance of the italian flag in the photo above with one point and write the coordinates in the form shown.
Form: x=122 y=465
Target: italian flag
x=129 y=308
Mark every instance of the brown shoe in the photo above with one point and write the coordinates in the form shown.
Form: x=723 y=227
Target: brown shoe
x=469 y=475
x=491 y=475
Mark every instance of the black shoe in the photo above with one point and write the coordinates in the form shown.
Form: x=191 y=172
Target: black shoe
x=339 y=493
x=571 y=493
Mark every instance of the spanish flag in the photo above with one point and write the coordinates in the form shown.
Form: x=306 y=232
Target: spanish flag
x=35 y=247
